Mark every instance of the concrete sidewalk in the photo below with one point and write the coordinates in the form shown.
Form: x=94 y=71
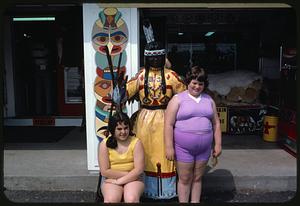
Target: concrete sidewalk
x=48 y=169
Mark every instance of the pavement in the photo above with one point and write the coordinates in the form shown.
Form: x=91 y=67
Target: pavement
x=62 y=166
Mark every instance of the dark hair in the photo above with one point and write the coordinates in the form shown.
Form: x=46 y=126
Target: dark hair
x=153 y=46
x=197 y=73
x=117 y=118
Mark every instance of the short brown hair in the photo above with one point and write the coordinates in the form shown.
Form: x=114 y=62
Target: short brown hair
x=197 y=73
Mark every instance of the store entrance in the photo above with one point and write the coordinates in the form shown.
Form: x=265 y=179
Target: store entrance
x=35 y=67
x=47 y=61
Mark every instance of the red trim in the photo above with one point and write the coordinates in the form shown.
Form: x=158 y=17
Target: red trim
x=177 y=77
x=141 y=87
x=162 y=175
x=43 y=121
x=136 y=76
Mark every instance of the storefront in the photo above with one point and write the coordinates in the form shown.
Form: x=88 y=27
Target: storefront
x=236 y=45
x=43 y=77
x=239 y=45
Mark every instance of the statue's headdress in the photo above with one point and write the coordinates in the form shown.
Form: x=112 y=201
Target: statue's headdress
x=152 y=48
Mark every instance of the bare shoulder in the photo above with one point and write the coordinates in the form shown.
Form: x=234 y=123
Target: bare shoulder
x=103 y=145
x=138 y=146
x=174 y=100
x=138 y=142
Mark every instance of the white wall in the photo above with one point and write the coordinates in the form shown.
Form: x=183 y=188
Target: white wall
x=90 y=15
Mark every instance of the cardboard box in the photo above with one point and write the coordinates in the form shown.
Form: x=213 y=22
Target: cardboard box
x=222 y=112
x=246 y=119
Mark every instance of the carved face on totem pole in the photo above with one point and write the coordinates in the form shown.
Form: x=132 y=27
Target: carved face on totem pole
x=111 y=31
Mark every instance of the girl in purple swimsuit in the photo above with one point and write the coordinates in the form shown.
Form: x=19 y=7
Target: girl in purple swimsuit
x=191 y=125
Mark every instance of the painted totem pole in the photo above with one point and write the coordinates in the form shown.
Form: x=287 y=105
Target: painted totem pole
x=109 y=39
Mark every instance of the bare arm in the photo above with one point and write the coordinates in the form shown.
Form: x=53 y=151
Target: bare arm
x=139 y=165
x=104 y=163
x=169 y=121
x=217 y=132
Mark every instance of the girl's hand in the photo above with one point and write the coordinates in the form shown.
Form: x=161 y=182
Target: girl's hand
x=112 y=181
x=170 y=154
x=217 y=151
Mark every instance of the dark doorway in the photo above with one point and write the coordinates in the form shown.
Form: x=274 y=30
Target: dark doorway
x=35 y=63
x=45 y=40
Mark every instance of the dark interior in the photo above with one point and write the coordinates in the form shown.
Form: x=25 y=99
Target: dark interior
x=36 y=56
x=241 y=36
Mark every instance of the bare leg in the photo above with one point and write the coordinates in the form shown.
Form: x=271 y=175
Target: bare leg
x=199 y=170
x=185 y=175
x=112 y=193
x=133 y=191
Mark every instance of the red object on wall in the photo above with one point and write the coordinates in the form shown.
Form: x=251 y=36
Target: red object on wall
x=287 y=130
x=292 y=131
x=64 y=109
x=287 y=123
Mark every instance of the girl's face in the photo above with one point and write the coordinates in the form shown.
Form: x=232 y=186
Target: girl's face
x=121 y=131
x=195 y=87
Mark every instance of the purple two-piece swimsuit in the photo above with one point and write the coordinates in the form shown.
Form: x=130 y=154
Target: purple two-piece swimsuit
x=193 y=132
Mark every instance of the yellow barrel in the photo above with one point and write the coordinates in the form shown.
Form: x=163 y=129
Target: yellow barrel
x=270 y=128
